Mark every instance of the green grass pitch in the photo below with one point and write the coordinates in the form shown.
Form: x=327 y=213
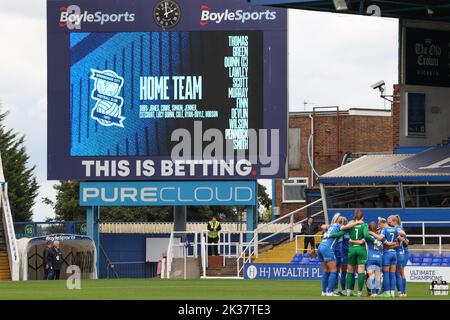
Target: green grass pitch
x=182 y=289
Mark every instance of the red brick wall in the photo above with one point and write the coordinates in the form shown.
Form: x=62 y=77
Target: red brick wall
x=396 y=117
x=357 y=134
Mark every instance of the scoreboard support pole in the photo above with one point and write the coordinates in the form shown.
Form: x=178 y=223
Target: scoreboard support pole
x=92 y=224
x=180 y=220
x=252 y=221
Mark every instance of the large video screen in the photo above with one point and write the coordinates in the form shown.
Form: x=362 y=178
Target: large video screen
x=131 y=90
x=168 y=90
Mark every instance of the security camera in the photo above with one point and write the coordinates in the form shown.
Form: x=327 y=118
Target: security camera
x=379 y=85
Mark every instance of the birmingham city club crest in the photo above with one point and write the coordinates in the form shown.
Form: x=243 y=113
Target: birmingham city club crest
x=108 y=108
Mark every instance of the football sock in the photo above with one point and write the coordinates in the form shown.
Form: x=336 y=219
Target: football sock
x=325 y=281
x=386 y=281
x=393 y=281
x=352 y=284
x=336 y=282
x=343 y=280
x=348 y=280
x=361 y=280
x=331 y=281
x=399 y=282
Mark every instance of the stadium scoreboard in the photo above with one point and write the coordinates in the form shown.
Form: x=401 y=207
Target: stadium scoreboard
x=166 y=90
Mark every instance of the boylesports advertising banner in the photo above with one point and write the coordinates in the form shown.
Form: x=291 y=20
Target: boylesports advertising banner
x=280 y=271
x=166 y=90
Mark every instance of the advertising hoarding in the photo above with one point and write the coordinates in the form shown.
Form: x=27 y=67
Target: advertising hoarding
x=166 y=90
x=168 y=193
x=427 y=57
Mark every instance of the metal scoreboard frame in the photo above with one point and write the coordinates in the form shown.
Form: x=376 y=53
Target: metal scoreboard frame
x=81 y=32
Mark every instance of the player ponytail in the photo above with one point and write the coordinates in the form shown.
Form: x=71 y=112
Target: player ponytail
x=373 y=226
x=399 y=220
x=392 y=220
x=358 y=215
x=343 y=220
x=335 y=218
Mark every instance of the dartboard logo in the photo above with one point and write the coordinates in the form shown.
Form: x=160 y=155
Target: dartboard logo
x=108 y=108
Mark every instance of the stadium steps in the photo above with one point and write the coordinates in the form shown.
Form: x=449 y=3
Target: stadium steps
x=284 y=252
x=281 y=253
x=193 y=267
x=229 y=270
x=5 y=273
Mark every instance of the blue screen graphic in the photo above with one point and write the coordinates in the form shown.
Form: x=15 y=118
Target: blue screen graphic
x=108 y=115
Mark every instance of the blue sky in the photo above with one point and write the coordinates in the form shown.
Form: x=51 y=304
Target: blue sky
x=333 y=60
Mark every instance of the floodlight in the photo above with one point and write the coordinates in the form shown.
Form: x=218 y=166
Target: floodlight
x=340 y=5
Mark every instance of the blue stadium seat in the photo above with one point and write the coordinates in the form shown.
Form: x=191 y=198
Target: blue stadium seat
x=427 y=260
x=416 y=264
x=306 y=255
x=445 y=264
x=435 y=264
x=298 y=255
x=417 y=260
x=304 y=261
x=437 y=260
x=418 y=255
x=437 y=255
x=446 y=255
x=445 y=260
x=428 y=255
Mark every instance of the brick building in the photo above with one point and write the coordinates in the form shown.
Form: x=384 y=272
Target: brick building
x=339 y=136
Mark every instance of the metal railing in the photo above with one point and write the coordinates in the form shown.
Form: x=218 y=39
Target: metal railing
x=11 y=241
x=251 y=249
x=299 y=236
x=169 y=257
x=422 y=224
x=227 y=248
x=430 y=236
x=176 y=249
x=440 y=245
x=31 y=229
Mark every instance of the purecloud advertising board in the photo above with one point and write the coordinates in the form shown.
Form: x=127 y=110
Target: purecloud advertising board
x=166 y=90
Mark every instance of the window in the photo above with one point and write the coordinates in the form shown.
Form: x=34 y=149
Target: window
x=363 y=197
x=294 y=149
x=426 y=196
x=294 y=189
x=416 y=115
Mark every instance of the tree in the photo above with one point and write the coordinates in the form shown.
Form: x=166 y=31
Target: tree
x=22 y=185
x=267 y=215
x=67 y=208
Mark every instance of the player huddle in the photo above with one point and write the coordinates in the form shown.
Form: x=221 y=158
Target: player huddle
x=355 y=249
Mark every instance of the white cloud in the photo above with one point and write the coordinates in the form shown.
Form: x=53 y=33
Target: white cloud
x=333 y=59
x=32 y=9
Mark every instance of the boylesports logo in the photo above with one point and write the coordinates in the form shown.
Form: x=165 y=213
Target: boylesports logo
x=209 y=16
x=72 y=17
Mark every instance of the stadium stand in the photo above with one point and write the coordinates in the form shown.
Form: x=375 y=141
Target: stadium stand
x=415 y=259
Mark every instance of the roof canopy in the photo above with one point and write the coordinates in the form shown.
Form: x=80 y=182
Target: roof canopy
x=431 y=165
x=433 y=10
